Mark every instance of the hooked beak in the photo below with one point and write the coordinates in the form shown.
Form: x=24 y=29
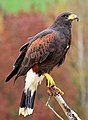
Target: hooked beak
x=73 y=17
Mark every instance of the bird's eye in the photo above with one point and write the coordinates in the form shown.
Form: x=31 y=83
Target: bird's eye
x=65 y=16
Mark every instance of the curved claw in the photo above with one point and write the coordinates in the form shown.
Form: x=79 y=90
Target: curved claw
x=49 y=92
x=58 y=90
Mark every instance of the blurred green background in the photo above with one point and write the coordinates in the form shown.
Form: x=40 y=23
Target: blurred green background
x=20 y=19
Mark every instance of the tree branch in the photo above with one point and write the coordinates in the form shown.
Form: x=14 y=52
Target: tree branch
x=55 y=112
x=71 y=115
x=67 y=110
x=56 y=92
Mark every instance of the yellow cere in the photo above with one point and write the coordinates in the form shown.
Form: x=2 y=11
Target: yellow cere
x=72 y=17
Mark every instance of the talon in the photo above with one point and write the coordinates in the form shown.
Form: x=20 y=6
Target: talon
x=58 y=90
x=51 y=84
x=49 y=92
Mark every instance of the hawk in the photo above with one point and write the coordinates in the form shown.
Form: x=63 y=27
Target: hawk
x=40 y=55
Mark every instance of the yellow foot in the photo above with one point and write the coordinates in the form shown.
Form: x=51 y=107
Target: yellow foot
x=50 y=81
x=58 y=90
x=51 y=85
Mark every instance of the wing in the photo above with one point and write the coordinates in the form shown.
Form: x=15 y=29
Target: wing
x=20 y=63
x=38 y=51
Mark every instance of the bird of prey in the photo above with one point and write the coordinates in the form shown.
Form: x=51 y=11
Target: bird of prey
x=40 y=55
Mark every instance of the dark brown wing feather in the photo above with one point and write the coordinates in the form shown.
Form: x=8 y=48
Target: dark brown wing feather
x=37 y=52
x=19 y=64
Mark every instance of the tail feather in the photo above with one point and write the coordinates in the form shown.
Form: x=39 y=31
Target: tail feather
x=28 y=96
x=14 y=72
x=27 y=103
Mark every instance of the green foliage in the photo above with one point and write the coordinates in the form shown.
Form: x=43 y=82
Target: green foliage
x=14 y=6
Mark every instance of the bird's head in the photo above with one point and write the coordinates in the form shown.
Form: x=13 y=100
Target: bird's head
x=66 y=18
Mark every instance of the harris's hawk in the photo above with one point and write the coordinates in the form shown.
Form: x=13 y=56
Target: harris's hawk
x=39 y=55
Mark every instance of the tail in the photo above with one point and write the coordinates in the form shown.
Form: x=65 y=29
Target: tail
x=27 y=103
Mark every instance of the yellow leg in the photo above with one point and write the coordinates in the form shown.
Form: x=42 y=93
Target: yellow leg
x=49 y=80
x=51 y=84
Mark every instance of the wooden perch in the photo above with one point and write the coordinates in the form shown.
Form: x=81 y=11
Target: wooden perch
x=56 y=92
x=71 y=115
x=67 y=110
